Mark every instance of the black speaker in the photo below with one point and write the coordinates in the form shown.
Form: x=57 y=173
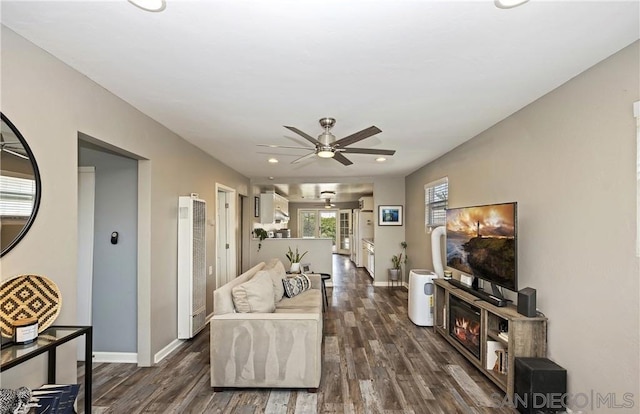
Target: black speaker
x=527 y=302
x=540 y=386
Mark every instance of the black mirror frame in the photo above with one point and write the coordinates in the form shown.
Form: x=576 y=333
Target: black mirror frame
x=36 y=173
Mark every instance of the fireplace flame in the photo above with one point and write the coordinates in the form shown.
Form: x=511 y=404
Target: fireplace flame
x=467 y=331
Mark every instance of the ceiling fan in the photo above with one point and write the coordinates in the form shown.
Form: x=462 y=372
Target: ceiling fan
x=327 y=195
x=326 y=145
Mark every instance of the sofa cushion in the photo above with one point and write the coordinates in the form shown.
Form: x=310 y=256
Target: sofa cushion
x=309 y=301
x=222 y=300
x=276 y=271
x=254 y=296
x=295 y=285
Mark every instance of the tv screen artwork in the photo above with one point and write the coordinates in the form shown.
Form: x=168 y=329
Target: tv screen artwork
x=481 y=241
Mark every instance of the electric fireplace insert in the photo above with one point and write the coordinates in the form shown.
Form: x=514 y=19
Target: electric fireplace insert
x=464 y=324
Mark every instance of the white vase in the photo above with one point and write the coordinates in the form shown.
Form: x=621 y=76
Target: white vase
x=394 y=274
x=295 y=268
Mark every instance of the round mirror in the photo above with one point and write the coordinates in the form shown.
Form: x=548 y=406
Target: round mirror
x=19 y=186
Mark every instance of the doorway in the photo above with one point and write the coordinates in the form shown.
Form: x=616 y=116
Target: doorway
x=107 y=251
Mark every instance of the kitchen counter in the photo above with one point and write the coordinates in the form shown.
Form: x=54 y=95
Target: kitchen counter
x=318 y=255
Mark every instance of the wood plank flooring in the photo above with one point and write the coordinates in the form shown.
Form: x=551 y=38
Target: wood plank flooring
x=375 y=360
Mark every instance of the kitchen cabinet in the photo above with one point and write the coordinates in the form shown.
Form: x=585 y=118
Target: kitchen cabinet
x=366 y=203
x=273 y=208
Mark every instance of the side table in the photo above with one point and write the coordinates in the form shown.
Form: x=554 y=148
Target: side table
x=325 y=276
x=48 y=341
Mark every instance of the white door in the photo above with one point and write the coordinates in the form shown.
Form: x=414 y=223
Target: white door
x=355 y=236
x=86 y=203
x=225 y=235
x=343 y=232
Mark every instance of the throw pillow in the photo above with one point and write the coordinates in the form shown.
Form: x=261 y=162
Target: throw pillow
x=254 y=296
x=295 y=285
x=278 y=273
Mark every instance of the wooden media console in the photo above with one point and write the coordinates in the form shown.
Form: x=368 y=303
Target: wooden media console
x=485 y=333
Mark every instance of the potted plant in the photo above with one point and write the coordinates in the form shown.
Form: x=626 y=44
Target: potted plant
x=397 y=260
x=261 y=234
x=295 y=259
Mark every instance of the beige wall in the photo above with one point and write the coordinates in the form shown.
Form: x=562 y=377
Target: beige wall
x=569 y=160
x=387 y=239
x=50 y=103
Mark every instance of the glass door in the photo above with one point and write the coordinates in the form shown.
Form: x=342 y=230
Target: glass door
x=328 y=225
x=344 y=232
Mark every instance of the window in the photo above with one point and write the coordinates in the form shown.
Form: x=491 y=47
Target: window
x=16 y=196
x=308 y=223
x=436 y=196
x=317 y=223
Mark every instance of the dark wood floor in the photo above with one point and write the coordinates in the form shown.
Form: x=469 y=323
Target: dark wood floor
x=375 y=360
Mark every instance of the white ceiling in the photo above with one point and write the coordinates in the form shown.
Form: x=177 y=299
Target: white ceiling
x=227 y=75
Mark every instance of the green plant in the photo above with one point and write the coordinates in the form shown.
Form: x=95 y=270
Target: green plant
x=295 y=257
x=397 y=259
x=260 y=234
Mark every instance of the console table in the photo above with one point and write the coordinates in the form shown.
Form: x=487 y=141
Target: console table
x=48 y=341
x=527 y=337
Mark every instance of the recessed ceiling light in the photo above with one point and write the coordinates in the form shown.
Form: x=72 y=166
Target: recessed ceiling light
x=508 y=4
x=381 y=159
x=273 y=160
x=271 y=178
x=150 y=5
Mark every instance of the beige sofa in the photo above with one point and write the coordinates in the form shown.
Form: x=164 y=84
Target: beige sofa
x=258 y=341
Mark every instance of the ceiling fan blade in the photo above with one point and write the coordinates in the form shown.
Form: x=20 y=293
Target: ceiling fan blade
x=304 y=157
x=341 y=159
x=304 y=135
x=375 y=151
x=283 y=146
x=358 y=136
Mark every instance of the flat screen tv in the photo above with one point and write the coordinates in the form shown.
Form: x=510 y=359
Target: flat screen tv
x=482 y=242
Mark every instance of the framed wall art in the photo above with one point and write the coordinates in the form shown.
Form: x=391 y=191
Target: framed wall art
x=256 y=206
x=390 y=215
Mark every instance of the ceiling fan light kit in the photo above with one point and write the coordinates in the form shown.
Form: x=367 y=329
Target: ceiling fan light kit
x=326 y=152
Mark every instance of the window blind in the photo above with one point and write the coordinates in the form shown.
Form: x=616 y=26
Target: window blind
x=16 y=196
x=436 y=197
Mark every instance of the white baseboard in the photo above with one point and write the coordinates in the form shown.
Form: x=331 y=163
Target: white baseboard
x=162 y=354
x=388 y=283
x=116 y=357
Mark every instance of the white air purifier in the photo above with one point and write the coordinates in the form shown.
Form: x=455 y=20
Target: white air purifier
x=421 y=296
